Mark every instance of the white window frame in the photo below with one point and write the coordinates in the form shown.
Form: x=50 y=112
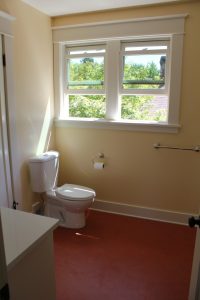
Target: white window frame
x=66 y=91
x=168 y=27
x=154 y=91
x=91 y=54
x=143 y=52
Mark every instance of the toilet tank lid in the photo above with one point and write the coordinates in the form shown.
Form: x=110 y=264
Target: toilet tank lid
x=49 y=155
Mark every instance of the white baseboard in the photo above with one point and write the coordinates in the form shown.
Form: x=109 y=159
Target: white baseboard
x=141 y=212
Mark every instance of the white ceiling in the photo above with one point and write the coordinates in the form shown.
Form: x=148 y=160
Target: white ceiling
x=63 y=7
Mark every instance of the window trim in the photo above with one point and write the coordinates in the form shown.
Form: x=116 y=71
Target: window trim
x=116 y=125
x=171 y=27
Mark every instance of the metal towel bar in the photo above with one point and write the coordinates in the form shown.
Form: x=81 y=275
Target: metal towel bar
x=159 y=146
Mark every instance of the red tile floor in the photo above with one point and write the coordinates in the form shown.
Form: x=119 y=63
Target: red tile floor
x=123 y=258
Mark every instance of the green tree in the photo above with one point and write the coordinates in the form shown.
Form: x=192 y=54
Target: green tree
x=152 y=71
x=87 y=59
x=86 y=70
x=135 y=107
x=87 y=106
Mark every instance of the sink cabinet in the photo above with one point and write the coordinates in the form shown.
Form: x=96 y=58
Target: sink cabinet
x=28 y=243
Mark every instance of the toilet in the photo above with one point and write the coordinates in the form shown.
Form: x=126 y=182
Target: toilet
x=69 y=202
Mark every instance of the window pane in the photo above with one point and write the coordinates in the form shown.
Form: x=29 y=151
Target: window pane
x=143 y=108
x=145 y=47
x=83 y=49
x=87 y=106
x=144 y=71
x=86 y=73
x=78 y=51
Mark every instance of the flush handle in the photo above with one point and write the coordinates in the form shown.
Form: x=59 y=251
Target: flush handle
x=192 y=221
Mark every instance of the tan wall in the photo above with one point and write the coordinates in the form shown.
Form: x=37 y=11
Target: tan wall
x=125 y=13
x=33 y=84
x=135 y=173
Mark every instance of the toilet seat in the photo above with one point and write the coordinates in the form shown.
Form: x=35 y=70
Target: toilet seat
x=74 y=192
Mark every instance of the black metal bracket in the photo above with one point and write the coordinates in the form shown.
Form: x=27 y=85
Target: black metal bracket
x=192 y=221
x=15 y=204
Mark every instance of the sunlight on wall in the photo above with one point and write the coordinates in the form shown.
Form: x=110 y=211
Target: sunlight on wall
x=45 y=134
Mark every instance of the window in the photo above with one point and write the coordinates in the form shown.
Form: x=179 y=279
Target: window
x=123 y=75
x=144 y=82
x=143 y=90
x=85 y=82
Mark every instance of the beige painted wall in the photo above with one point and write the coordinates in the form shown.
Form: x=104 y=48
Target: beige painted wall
x=33 y=74
x=125 y=13
x=135 y=173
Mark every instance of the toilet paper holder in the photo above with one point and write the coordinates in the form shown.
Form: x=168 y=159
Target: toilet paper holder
x=100 y=155
x=98 y=161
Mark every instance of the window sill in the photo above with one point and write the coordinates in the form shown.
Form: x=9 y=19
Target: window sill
x=117 y=125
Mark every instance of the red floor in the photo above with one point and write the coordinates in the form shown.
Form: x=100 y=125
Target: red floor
x=123 y=258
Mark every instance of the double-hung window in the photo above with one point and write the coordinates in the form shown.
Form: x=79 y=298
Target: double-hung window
x=144 y=80
x=85 y=81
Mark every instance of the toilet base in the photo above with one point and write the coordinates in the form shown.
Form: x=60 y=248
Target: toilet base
x=66 y=219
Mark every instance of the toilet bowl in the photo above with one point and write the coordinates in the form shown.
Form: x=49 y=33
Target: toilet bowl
x=68 y=202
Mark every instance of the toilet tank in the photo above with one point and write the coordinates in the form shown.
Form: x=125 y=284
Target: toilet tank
x=44 y=171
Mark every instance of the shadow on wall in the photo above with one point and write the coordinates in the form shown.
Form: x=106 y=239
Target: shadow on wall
x=45 y=142
x=45 y=139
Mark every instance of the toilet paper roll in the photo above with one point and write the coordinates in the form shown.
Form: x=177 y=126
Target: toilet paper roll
x=98 y=165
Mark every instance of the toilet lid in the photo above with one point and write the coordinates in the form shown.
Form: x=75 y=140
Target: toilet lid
x=75 y=192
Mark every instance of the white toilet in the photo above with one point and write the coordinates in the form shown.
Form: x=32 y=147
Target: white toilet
x=67 y=203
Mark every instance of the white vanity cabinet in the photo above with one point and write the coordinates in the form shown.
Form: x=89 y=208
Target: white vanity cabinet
x=28 y=242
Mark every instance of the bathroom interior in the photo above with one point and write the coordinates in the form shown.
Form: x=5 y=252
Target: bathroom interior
x=132 y=182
